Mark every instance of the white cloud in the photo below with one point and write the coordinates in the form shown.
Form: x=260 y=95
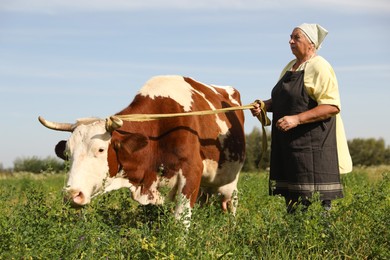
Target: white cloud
x=56 y=6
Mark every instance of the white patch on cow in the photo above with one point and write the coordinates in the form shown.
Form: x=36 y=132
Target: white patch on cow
x=174 y=87
x=231 y=91
x=154 y=197
x=223 y=127
x=116 y=183
x=157 y=197
x=210 y=168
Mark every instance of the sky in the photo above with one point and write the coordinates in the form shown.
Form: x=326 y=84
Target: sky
x=68 y=59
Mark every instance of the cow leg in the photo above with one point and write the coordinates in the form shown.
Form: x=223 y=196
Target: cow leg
x=187 y=192
x=203 y=197
x=183 y=204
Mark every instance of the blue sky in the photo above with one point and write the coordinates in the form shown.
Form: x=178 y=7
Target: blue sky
x=68 y=59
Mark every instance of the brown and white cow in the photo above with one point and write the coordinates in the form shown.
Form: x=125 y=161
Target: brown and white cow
x=194 y=156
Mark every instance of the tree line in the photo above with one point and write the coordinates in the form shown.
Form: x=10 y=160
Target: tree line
x=364 y=152
x=36 y=165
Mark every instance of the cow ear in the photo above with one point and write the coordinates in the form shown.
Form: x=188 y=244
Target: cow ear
x=60 y=150
x=120 y=149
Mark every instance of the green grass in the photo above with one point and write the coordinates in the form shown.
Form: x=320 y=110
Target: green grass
x=36 y=224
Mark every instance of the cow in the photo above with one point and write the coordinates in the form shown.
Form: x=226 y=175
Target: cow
x=194 y=156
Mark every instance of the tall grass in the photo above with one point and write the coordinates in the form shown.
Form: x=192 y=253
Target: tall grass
x=35 y=223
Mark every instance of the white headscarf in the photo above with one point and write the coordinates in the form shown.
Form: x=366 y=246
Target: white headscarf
x=315 y=32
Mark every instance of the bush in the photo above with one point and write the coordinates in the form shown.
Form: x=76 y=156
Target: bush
x=255 y=157
x=37 y=165
x=364 y=152
x=369 y=151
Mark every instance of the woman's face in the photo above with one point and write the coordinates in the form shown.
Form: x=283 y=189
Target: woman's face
x=300 y=44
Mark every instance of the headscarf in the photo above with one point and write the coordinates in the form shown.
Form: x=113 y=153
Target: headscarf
x=315 y=32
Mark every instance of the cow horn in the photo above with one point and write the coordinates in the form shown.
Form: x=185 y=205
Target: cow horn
x=67 y=127
x=113 y=123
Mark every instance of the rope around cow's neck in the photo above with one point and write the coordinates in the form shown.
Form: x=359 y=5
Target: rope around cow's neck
x=264 y=120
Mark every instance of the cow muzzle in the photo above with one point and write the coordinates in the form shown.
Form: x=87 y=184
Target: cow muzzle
x=75 y=197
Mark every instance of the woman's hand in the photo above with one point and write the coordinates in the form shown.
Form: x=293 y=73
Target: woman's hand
x=287 y=122
x=256 y=109
x=318 y=113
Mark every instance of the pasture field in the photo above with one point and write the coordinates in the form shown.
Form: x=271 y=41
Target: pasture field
x=35 y=223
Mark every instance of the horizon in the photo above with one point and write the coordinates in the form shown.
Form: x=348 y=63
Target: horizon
x=65 y=60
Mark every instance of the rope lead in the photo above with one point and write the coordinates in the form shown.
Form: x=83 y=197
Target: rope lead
x=115 y=121
x=265 y=121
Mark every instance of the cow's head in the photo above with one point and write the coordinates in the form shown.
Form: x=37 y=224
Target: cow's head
x=87 y=150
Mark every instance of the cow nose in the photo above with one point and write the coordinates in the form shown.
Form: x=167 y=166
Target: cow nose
x=75 y=196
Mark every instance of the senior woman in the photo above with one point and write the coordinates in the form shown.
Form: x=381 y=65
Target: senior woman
x=308 y=144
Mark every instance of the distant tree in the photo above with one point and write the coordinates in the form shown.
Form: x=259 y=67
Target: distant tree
x=254 y=151
x=365 y=152
x=37 y=165
x=369 y=151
